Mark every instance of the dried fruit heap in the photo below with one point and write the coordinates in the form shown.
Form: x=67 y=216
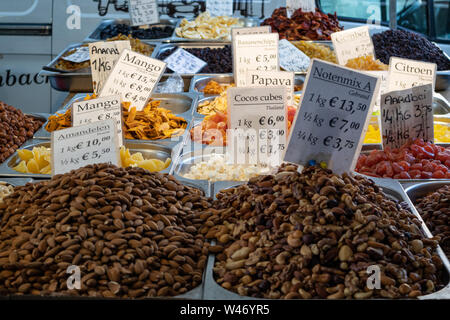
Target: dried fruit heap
x=435 y=210
x=314 y=234
x=303 y=25
x=15 y=129
x=132 y=234
x=409 y=45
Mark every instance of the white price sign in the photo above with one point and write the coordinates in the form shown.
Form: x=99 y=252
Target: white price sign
x=291 y=58
x=90 y=111
x=254 y=53
x=407 y=114
x=143 y=12
x=76 y=147
x=103 y=56
x=333 y=116
x=257 y=125
x=80 y=55
x=250 y=30
x=352 y=43
x=305 y=5
x=405 y=73
x=183 y=62
x=273 y=79
x=383 y=76
x=220 y=7
x=134 y=78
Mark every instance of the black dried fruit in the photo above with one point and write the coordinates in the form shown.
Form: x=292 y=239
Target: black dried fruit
x=136 y=32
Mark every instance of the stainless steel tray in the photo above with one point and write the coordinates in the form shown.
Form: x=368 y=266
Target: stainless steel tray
x=247 y=22
x=181 y=104
x=198 y=82
x=163 y=47
x=15 y=182
x=392 y=189
x=95 y=35
x=74 y=81
x=148 y=150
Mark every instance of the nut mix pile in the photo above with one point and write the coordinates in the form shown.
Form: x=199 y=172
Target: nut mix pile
x=408 y=45
x=132 y=234
x=435 y=210
x=15 y=129
x=303 y=25
x=5 y=189
x=314 y=234
x=219 y=60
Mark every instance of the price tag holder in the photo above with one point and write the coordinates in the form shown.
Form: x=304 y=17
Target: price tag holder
x=332 y=117
x=103 y=56
x=80 y=55
x=407 y=114
x=291 y=58
x=273 y=79
x=90 y=111
x=405 y=73
x=258 y=126
x=254 y=53
x=352 y=43
x=76 y=147
x=134 y=77
x=305 y=5
x=251 y=30
x=183 y=62
x=220 y=7
x=143 y=12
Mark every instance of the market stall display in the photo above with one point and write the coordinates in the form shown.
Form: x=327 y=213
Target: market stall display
x=303 y=25
x=15 y=129
x=208 y=27
x=115 y=224
x=415 y=160
x=309 y=235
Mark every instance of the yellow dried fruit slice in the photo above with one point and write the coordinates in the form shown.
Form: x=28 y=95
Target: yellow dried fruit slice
x=32 y=166
x=25 y=154
x=21 y=167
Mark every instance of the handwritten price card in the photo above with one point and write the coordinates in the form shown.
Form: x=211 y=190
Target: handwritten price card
x=254 y=53
x=134 y=78
x=81 y=54
x=407 y=114
x=352 y=43
x=333 y=116
x=220 y=7
x=183 y=62
x=143 y=12
x=258 y=125
x=89 y=111
x=103 y=56
x=76 y=147
x=405 y=73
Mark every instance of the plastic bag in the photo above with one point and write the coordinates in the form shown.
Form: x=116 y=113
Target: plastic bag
x=174 y=83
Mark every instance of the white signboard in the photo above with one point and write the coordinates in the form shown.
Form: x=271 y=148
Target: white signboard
x=254 y=53
x=80 y=55
x=89 y=111
x=257 y=125
x=76 y=147
x=134 y=77
x=103 y=56
x=220 y=7
x=305 y=5
x=183 y=62
x=143 y=12
x=405 y=73
x=333 y=116
x=273 y=79
x=407 y=114
x=352 y=43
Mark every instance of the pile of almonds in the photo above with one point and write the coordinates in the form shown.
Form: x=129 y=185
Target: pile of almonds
x=133 y=234
x=435 y=211
x=314 y=235
x=15 y=129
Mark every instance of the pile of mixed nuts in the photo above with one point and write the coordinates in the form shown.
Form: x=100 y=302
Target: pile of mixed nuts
x=314 y=235
x=131 y=233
